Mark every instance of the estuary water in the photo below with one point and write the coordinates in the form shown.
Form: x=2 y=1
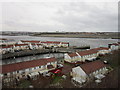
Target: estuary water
x=73 y=42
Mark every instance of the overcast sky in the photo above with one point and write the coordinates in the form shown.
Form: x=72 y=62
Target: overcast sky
x=59 y=16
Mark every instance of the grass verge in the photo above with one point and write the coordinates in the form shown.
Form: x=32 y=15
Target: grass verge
x=24 y=84
x=57 y=79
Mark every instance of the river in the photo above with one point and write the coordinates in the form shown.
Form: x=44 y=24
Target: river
x=73 y=42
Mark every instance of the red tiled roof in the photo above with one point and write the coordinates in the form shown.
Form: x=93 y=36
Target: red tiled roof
x=30 y=41
x=43 y=42
x=33 y=44
x=3 y=39
x=72 y=54
x=87 y=52
x=54 y=42
x=50 y=59
x=27 y=64
x=116 y=44
x=106 y=48
x=8 y=46
x=36 y=44
x=20 y=44
x=65 y=42
x=39 y=44
x=92 y=66
x=100 y=48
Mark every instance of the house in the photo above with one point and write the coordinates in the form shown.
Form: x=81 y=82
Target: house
x=82 y=56
x=43 y=43
x=96 y=69
x=17 y=47
x=5 y=49
x=118 y=42
x=71 y=57
x=88 y=55
x=20 y=42
x=7 y=41
x=47 y=43
x=51 y=43
x=12 y=48
x=114 y=46
x=55 y=44
x=2 y=40
x=64 y=44
x=30 y=42
x=40 y=46
x=28 y=68
x=102 y=50
x=78 y=75
x=36 y=46
x=21 y=46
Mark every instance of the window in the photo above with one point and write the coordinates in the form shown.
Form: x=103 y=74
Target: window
x=44 y=66
x=27 y=70
x=8 y=73
x=56 y=62
x=48 y=63
x=23 y=70
x=52 y=62
x=30 y=69
x=41 y=66
x=97 y=71
x=5 y=74
x=11 y=73
x=20 y=71
x=17 y=71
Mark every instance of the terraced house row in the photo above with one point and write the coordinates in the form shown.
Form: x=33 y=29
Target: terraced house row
x=4 y=41
x=114 y=46
x=18 y=47
x=82 y=56
x=28 y=68
x=48 y=43
x=22 y=45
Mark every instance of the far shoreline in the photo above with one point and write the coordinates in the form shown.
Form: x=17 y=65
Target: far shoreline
x=76 y=37
x=62 y=36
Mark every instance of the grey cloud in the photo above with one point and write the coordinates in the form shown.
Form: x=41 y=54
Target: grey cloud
x=93 y=17
x=72 y=16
